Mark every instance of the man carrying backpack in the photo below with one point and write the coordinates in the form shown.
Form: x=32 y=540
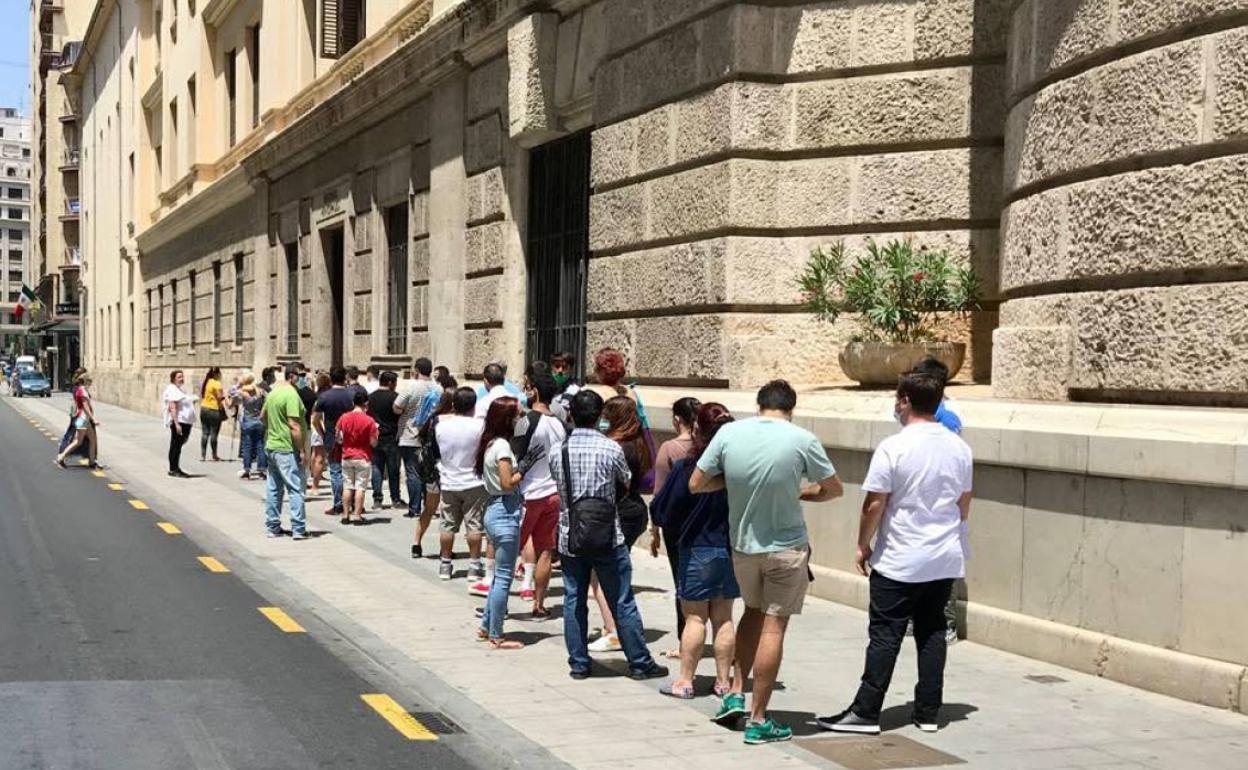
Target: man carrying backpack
x=408 y=407
x=587 y=470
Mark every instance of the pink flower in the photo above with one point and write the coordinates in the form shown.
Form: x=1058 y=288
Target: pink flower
x=920 y=275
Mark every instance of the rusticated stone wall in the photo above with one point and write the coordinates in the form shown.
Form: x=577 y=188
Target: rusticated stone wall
x=733 y=137
x=1124 y=258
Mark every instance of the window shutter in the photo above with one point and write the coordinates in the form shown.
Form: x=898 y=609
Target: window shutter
x=330 y=20
x=352 y=24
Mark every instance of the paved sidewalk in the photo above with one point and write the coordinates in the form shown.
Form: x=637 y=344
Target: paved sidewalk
x=1003 y=711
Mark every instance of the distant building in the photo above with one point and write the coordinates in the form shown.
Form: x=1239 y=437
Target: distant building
x=15 y=231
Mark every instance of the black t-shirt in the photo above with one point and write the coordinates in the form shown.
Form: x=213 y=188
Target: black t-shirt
x=333 y=403
x=308 y=396
x=381 y=407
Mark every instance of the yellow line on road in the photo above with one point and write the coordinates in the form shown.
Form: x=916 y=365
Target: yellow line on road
x=168 y=528
x=139 y=505
x=116 y=487
x=407 y=725
x=98 y=474
x=281 y=620
x=212 y=564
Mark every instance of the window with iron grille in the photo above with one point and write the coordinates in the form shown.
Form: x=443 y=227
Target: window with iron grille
x=397 y=284
x=558 y=247
x=151 y=322
x=161 y=305
x=173 y=314
x=342 y=26
x=292 y=298
x=216 y=304
x=238 y=299
x=191 y=314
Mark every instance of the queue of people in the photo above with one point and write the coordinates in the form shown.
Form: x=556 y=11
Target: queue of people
x=549 y=472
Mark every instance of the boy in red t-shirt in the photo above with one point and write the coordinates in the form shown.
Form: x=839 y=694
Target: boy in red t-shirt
x=357 y=435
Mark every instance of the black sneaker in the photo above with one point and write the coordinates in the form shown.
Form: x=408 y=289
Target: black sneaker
x=925 y=723
x=849 y=722
x=654 y=672
x=579 y=675
x=417 y=551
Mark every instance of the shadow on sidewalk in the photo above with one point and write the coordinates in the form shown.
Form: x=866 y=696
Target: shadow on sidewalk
x=897 y=717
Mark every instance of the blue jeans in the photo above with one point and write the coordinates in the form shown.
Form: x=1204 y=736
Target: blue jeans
x=502 y=526
x=335 y=481
x=615 y=575
x=415 y=487
x=386 y=467
x=285 y=476
x=253 y=444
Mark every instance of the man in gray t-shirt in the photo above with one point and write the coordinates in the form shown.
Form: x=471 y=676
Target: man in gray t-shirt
x=407 y=406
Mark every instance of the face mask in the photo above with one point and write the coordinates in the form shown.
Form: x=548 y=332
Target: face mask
x=561 y=378
x=302 y=382
x=604 y=426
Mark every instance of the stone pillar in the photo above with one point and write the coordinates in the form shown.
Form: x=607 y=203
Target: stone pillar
x=447 y=224
x=1124 y=255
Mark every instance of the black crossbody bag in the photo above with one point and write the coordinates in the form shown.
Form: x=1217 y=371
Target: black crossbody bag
x=591 y=520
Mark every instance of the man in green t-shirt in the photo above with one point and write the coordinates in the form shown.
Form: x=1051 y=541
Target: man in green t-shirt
x=286 y=425
x=761 y=462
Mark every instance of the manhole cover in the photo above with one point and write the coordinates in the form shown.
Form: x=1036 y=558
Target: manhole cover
x=1044 y=679
x=878 y=753
x=436 y=723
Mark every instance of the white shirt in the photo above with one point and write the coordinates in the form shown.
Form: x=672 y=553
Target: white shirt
x=184 y=400
x=495 y=393
x=924 y=469
x=499 y=450
x=371 y=386
x=457 y=438
x=538 y=483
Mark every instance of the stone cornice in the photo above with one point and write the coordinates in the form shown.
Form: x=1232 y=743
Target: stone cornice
x=226 y=191
x=217 y=11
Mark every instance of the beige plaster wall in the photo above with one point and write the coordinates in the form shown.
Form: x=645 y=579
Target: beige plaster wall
x=1123 y=232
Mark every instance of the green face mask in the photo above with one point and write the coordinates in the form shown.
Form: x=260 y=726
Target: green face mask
x=561 y=378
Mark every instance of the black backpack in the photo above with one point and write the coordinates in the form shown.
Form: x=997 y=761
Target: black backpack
x=591 y=520
x=520 y=444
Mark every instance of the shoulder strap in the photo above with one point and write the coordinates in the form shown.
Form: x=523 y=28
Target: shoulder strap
x=567 y=473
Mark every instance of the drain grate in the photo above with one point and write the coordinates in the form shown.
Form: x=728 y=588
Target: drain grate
x=437 y=723
x=1045 y=679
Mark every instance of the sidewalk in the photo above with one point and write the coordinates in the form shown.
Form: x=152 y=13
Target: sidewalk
x=1003 y=711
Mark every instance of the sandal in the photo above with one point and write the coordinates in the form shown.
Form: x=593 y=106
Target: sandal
x=482 y=635
x=681 y=693
x=540 y=613
x=722 y=689
x=506 y=644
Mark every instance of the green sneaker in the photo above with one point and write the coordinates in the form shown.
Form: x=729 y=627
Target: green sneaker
x=731 y=708
x=770 y=731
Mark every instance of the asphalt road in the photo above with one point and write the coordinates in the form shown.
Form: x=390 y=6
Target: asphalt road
x=120 y=649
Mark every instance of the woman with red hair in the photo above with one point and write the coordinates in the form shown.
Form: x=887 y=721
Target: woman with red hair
x=609 y=370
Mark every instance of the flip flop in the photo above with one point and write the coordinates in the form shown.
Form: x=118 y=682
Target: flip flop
x=685 y=693
x=506 y=644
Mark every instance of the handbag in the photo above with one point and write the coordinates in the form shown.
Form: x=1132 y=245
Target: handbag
x=634 y=517
x=591 y=520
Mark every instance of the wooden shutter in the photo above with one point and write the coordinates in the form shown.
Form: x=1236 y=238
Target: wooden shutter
x=352 y=27
x=330 y=22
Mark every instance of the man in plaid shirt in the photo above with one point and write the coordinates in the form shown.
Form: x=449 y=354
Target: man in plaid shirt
x=598 y=469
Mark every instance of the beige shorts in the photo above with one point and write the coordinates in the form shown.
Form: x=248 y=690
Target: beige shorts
x=774 y=583
x=356 y=475
x=466 y=507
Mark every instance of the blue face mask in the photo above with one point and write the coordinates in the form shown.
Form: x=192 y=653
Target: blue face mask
x=302 y=382
x=604 y=425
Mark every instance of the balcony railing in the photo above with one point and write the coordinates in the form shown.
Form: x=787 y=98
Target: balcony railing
x=73 y=257
x=70 y=159
x=73 y=210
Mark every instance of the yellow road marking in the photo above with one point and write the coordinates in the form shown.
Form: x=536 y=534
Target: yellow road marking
x=116 y=487
x=139 y=505
x=407 y=725
x=212 y=564
x=168 y=528
x=281 y=620
x=98 y=474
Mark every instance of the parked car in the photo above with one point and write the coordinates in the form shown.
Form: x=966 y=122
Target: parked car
x=32 y=383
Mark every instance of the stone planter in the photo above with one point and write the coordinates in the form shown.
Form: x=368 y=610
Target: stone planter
x=881 y=363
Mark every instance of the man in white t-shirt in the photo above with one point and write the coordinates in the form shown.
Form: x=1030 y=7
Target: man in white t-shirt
x=463 y=492
x=539 y=532
x=918 y=496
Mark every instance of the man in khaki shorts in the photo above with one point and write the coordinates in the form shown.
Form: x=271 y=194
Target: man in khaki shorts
x=463 y=492
x=761 y=462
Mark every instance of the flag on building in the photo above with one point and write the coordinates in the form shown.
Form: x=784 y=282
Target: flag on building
x=27 y=299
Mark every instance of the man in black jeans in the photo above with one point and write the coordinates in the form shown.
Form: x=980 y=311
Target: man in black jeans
x=918 y=499
x=386 y=453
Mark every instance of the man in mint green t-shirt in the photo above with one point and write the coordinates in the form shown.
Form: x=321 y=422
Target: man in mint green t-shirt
x=286 y=425
x=762 y=462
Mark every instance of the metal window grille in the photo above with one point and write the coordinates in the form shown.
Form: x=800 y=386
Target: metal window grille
x=173 y=314
x=292 y=298
x=558 y=247
x=151 y=322
x=161 y=305
x=216 y=304
x=397 y=284
x=238 y=299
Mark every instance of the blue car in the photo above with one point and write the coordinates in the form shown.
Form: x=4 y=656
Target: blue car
x=31 y=383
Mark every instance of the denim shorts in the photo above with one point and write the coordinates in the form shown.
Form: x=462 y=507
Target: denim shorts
x=705 y=573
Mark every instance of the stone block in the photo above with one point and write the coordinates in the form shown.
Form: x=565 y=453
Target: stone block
x=591 y=47
x=360 y=272
x=995 y=534
x=1230 y=102
x=1066 y=30
x=652 y=73
x=1207 y=338
x=619 y=334
x=883 y=33
x=614 y=153
x=1036 y=231
x=952 y=28
x=1140 y=18
x=628 y=22
x=617 y=218
x=418 y=306
x=759 y=347
x=1053 y=522
x=761 y=116
x=480 y=347
x=1191 y=678
x=481 y=299
x=785 y=194
x=420 y=168
x=420 y=121
x=532 y=50
x=1130 y=551
x=1215 y=541
x=1137 y=105
x=420 y=214
x=486 y=196
x=483 y=144
x=486 y=247
x=814 y=38
x=1120 y=339
x=693 y=201
x=654 y=140
x=418 y=268
x=487 y=88
x=916 y=186
x=683 y=275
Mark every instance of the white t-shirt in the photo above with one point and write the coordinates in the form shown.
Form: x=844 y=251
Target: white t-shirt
x=499 y=449
x=370 y=386
x=924 y=469
x=538 y=483
x=184 y=400
x=495 y=393
x=457 y=438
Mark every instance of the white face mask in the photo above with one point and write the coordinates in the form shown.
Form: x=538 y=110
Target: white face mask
x=603 y=425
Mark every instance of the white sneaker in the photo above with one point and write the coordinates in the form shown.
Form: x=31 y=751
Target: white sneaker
x=606 y=643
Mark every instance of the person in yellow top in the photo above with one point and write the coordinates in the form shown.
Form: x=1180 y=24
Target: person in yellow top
x=212 y=402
